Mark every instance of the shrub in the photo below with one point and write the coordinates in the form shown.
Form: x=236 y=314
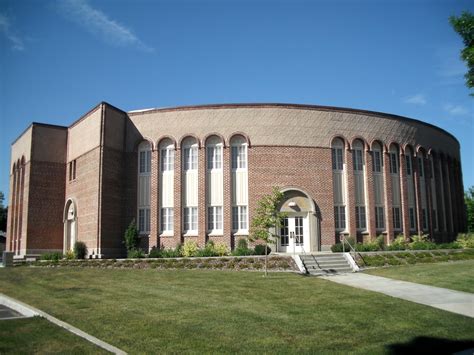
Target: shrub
x=131 y=238
x=190 y=248
x=421 y=242
x=54 y=256
x=337 y=248
x=398 y=244
x=155 y=253
x=171 y=253
x=380 y=240
x=452 y=245
x=370 y=246
x=242 y=248
x=260 y=249
x=466 y=240
x=208 y=250
x=80 y=250
x=69 y=255
x=221 y=249
x=135 y=254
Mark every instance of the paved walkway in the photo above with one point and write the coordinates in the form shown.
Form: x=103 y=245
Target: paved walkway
x=8 y=313
x=442 y=298
x=28 y=311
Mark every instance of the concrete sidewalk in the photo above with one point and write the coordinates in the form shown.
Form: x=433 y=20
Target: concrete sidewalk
x=442 y=298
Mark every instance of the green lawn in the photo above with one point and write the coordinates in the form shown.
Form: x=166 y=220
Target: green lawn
x=191 y=311
x=38 y=336
x=458 y=275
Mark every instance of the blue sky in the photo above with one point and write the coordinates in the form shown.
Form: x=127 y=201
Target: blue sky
x=60 y=58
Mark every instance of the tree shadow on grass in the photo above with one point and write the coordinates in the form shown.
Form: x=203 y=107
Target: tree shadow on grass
x=428 y=345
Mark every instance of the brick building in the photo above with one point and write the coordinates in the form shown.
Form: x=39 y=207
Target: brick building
x=196 y=173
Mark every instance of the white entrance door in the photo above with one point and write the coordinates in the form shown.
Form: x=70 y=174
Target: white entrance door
x=294 y=234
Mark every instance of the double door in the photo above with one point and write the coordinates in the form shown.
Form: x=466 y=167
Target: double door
x=293 y=234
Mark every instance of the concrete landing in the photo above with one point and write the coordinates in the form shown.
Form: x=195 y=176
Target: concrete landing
x=437 y=297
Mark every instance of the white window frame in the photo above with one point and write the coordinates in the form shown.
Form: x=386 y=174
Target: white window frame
x=337 y=158
x=361 y=218
x=357 y=159
x=394 y=166
x=215 y=219
x=190 y=154
x=167 y=159
x=377 y=161
x=167 y=220
x=340 y=218
x=239 y=156
x=408 y=165
x=240 y=219
x=379 y=218
x=144 y=220
x=190 y=220
x=214 y=156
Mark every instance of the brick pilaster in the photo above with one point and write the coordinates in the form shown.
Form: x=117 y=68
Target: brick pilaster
x=404 y=195
x=350 y=195
x=387 y=182
x=454 y=204
x=369 y=191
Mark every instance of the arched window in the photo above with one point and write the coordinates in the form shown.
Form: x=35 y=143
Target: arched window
x=215 y=184
x=167 y=154
x=239 y=185
x=424 y=205
x=358 y=163
x=144 y=178
x=337 y=153
x=396 y=193
x=337 y=149
x=190 y=181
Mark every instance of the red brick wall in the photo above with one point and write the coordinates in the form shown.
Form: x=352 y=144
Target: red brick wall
x=45 y=207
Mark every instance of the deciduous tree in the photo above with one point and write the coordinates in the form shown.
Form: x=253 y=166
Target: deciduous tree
x=464 y=26
x=267 y=220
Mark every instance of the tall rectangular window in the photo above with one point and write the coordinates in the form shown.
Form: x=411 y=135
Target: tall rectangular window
x=337 y=159
x=411 y=212
x=190 y=219
x=340 y=217
x=145 y=161
x=424 y=213
x=190 y=158
x=72 y=170
x=421 y=169
x=167 y=219
x=408 y=164
x=214 y=157
x=239 y=157
x=393 y=163
x=214 y=218
x=377 y=161
x=239 y=218
x=379 y=218
x=397 y=224
x=361 y=222
x=357 y=161
x=144 y=220
x=167 y=160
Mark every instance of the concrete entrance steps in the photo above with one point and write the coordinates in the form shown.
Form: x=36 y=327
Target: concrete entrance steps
x=326 y=264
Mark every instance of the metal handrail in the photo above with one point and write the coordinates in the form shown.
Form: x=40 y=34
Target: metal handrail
x=343 y=239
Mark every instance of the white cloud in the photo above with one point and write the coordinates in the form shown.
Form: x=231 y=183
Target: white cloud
x=418 y=99
x=456 y=110
x=96 y=22
x=5 y=29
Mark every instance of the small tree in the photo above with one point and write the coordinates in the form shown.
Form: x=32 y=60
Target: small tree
x=267 y=220
x=131 y=238
x=469 y=200
x=3 y=213
x=80 y=250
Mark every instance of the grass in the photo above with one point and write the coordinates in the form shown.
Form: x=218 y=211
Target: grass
x=195 y=311
x=38 y=336
x=458 y=275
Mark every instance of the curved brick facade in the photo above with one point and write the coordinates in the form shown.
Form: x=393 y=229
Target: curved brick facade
x=94 y=163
